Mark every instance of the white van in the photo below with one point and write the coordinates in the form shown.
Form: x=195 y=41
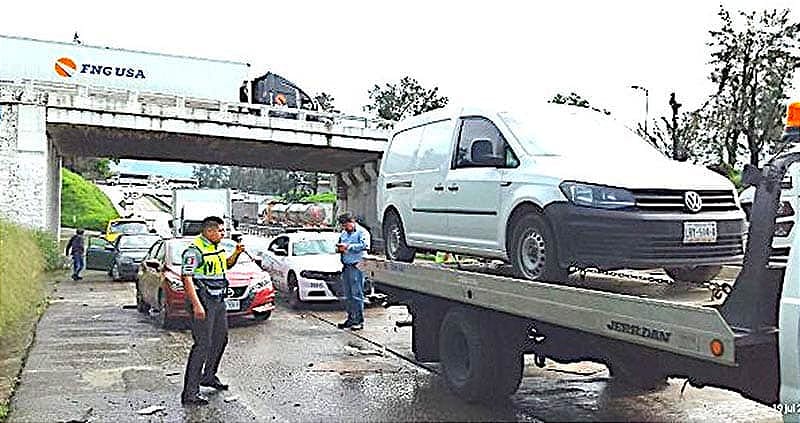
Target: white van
x=552 y=189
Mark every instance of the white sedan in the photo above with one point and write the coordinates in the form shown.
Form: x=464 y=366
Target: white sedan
x=305 y=266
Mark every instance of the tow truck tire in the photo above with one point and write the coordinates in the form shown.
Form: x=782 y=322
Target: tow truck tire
x=394 y=240
x=477 y=364
x=533 y=250
x=698 y=274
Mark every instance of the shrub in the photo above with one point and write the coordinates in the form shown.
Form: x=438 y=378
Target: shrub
x=22 y=265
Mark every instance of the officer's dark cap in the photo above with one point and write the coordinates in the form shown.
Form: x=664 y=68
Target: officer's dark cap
x=212 y=221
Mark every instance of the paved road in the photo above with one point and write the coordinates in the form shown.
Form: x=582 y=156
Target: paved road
x=94 y=360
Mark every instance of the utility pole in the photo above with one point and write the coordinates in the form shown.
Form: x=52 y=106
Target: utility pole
x=646 y=105
x=677 y=151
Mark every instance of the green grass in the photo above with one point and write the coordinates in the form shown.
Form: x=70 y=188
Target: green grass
x=83 y=205
x=3 y=412
x=22 y=265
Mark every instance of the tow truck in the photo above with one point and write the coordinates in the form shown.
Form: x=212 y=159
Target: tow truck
x=479 y=325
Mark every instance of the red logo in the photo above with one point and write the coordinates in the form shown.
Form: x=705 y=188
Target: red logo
x=65 y=67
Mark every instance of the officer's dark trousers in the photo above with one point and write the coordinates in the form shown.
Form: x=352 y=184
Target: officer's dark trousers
x=210 y=338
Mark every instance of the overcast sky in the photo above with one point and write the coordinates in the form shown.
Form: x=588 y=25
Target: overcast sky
x=492 y=53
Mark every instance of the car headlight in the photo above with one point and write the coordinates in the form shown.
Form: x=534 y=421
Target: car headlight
x=176 y=285
x=597 y=196
x=262 y=285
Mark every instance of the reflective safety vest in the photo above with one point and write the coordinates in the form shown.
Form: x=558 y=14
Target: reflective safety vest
x=210 y=272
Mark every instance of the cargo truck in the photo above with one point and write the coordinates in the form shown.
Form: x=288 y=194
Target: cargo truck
x=143 y=72
x=741 y=336
x=191 y=206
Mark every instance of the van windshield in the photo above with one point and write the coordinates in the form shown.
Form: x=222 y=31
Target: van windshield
x=575 y=132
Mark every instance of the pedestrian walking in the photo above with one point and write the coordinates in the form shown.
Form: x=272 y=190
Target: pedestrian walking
x=76 y=248
x=351 y=246
x=203 y=270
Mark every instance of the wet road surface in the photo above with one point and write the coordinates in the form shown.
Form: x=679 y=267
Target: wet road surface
x=96 y=360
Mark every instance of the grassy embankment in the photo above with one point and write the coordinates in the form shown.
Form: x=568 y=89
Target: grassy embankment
x=26 y=257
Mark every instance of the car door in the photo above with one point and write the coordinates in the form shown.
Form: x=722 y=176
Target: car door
x=278 y=253
x=151 y=276
x=473 y=184
x=430 y=202
x=99 y=254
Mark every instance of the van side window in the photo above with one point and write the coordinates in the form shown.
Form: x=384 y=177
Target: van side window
x=481 y=144
x=402 y=151
x=434 y=149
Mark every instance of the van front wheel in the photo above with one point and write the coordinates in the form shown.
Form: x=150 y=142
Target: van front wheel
x=533 y=250
x=394 y=239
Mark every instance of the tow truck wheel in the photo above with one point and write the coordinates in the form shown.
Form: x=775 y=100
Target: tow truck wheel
x=533 y=250
x=394 y=238
x=477 y=364
x=698 y=274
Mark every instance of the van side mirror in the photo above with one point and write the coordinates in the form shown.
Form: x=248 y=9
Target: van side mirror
x=280 y=252
x=482 y=153
x=152 y=264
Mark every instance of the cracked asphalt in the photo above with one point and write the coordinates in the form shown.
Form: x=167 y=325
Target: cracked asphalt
x=96 y=359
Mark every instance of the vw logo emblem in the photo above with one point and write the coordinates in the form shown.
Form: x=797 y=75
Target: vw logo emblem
x=693 y=201
x=230 y=292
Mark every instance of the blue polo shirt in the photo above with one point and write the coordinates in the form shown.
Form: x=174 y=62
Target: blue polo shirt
x=355 y=252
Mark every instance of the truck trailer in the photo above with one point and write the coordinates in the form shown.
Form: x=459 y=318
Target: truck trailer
x=479 y=326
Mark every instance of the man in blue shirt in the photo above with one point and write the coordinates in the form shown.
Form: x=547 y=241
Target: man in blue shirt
x=351 y=246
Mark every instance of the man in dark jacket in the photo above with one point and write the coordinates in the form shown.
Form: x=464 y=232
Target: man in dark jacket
x=76 y=248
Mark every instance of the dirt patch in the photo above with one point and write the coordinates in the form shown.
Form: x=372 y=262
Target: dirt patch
x=15 y=343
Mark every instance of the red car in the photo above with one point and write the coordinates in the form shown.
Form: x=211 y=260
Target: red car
x=159 y=286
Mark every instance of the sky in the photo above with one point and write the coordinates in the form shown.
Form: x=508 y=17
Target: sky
x=495 y=54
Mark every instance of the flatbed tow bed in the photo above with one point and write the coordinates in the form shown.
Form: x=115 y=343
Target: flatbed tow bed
x=479 y=325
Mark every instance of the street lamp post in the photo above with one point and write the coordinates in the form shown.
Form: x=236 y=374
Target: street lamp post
x=646 y=104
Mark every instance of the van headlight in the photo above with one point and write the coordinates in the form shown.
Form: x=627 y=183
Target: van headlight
x=597 y=196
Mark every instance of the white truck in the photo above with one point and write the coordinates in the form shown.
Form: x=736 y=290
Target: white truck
x=191 y=206
x=479 y=325
x=143 y=72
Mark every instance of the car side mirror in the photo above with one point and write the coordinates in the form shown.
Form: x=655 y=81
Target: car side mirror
x=482 y=153
x=152 y=264
x=280 y=252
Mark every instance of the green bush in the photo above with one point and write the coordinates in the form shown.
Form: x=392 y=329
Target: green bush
x=325 y=197
x=51 y=252
x=22 y=265
x=83 y=205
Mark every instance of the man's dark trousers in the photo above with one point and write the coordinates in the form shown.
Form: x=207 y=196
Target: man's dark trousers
x=353 y=284
x=210 y=338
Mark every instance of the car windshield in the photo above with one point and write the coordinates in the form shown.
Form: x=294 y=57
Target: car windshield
x=129 y=227
x=177 y=248
x=574 y=132
x=310 y=247
x=134 y=242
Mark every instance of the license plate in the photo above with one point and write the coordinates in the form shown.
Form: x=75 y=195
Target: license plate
x=232 y=305
x=699 y=232
x=317 y=285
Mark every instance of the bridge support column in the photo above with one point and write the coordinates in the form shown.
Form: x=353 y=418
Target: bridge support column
x=356 y=193
x=30 y=167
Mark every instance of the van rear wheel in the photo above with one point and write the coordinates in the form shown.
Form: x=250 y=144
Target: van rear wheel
x=394 y=238
x=533 y=250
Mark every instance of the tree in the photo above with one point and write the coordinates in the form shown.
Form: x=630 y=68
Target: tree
x=91 y=168
x=325 y=102
x=393 y=102
x=575 y=99
x=754 y=59
x=212 y=176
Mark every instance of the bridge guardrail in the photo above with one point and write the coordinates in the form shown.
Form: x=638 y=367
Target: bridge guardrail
x=89 y=96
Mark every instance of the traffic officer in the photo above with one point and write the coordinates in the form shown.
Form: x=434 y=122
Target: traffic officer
x=203 y=274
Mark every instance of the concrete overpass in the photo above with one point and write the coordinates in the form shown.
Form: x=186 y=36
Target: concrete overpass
x=40 y=122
